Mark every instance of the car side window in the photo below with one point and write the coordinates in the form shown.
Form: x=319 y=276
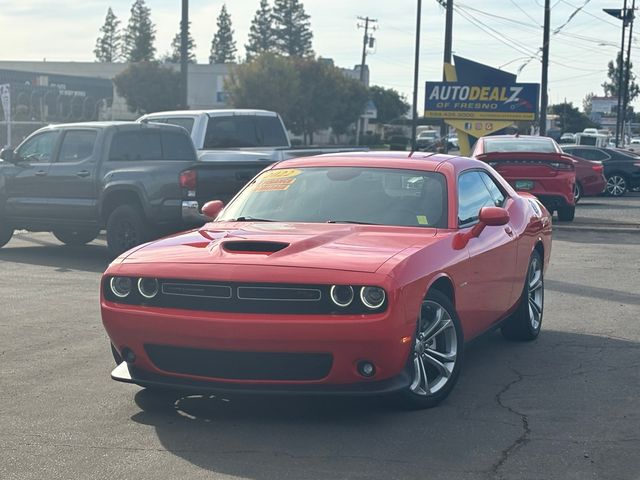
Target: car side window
x=39 y=148
x=472 y=196
x=176 y=146
x=133 y=146
x=77 y=145
x=494 y=190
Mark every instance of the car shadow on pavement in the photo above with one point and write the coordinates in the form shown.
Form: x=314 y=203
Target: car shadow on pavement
x=568 y=399
x=90 y=258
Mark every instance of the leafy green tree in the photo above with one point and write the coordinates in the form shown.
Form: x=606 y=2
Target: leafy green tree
x=174 y=56
x=140 y=34
x=223 y=46
x=352 y=99
x=149 y=87
x=570 y=119
x=270 y=82
x=390 y=104
x=108 y=45
x=261 y=35
x=587 y=103
x=611 y=86
x=292 y=29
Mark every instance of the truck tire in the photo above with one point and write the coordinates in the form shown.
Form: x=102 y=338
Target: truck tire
x=126 y=228
x=6 y=232
x=76 y=237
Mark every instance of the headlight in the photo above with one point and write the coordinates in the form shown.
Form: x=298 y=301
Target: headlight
x=120 y=286
x=372 y=297
x=342 y=295
x=148 y=287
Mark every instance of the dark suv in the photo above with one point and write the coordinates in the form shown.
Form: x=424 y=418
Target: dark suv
x=75 y=179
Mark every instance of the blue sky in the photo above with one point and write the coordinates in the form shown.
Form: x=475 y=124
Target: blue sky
x=500 y=33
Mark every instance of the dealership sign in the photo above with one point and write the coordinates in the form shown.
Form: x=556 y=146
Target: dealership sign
x=470 y=101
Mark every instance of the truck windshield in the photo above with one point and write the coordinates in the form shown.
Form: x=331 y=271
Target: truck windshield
x=378 y=196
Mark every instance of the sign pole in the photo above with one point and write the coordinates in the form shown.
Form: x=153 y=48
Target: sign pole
x=5 y=96
x=414 y=121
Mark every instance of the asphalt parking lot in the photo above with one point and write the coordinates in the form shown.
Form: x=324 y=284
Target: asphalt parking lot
x=564 y=406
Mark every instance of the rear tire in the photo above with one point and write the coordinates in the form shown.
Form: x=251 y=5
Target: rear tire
x=524 y=324
x=6 y=232
x=436 y=357
x=126 y=228
x=566 y=214
x=76 y=237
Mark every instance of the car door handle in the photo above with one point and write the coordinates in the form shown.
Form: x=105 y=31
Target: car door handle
x=508 y=231
x=40 y=173
x=83 y=173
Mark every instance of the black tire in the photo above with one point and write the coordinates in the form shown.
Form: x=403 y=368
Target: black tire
x=449 y=343
x=566 y=214
x=577 y=193
x=76 y=237
x=6 y=232
x=126 y=228
x=617 y=185
x=524 y=324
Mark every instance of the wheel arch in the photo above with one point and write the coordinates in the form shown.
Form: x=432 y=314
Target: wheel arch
x=444 y=285
x=116 y=197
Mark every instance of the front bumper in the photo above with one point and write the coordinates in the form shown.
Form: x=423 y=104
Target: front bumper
x=130 y=374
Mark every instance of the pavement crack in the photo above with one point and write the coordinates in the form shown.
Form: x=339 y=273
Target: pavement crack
x=523 y=438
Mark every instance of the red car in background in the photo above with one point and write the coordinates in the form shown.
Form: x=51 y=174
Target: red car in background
x=343 y=274
x=533 y=164
x=590 y=179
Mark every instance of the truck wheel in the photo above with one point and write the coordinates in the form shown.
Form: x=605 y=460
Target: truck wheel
x=126 y=228
x=76 y=237
x=566 y=214
x=6 y=232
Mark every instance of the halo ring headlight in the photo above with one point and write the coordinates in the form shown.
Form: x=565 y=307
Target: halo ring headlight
x=148 y=287
x=372 y=297
x=342 y=295
x=120 y=286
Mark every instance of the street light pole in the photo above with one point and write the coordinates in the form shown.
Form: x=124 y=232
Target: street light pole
x=414 y=123
x=625 y=98
x=184 y=52
x=620 y=72
x=544 y=98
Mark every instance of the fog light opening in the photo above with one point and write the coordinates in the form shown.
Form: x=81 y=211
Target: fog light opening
x=128 y=355
x=366 y=369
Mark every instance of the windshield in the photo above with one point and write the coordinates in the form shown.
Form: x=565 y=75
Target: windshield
x=537 y=145
x=380 y=196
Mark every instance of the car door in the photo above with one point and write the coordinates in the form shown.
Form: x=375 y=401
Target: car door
x=71 y=181
x=489 y=286
x=27 y=194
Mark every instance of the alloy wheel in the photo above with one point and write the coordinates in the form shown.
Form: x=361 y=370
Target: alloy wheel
x=616 y=185
x=435 y=351
x=535 y=295
x=127 y=235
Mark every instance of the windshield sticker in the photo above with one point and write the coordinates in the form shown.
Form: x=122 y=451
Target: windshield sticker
x=422 y=219
x=283 y=173
x=273 y=184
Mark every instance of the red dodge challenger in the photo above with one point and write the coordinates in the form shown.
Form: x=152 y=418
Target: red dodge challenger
x=337 y=274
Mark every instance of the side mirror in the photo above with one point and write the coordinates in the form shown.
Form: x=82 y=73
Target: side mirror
x=493 y=216
x=7 y=154
x=212 y=209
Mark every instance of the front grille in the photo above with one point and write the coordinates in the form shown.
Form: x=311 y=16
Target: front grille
x=240 y=365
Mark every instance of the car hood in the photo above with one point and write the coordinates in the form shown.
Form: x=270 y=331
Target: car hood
x=360 y=248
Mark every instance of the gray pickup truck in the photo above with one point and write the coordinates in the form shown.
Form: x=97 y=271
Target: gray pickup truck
x=136 y=180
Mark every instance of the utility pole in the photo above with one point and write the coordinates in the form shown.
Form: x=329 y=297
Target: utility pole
x=621 y=70
x=184 y=52
x=448 y=47
x=366 y=41
x=416 y=64
x=544 y=98
x=625 y=101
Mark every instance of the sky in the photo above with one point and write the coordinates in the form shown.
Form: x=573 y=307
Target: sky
x=504 y=34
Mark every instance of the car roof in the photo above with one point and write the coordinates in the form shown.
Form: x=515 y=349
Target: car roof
x=122 y=125
x=386 y=159
x=519 y=137
x=224 y=111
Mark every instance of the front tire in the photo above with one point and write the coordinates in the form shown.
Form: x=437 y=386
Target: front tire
x=6 y=232
x=126 y=228
x=436 y=358
x=566 y=214
x=524 y=324
x=76 y=237
x=616 y=185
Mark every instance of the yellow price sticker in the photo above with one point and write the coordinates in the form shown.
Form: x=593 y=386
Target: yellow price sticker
x=282 y=173
x=422 y=219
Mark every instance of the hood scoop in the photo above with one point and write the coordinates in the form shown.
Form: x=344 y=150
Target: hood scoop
x=253 y=246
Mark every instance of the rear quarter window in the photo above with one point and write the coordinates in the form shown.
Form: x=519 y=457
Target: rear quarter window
x=176 y=146
x=135 y=146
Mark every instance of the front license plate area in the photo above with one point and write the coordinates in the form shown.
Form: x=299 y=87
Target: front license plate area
x=523 y=185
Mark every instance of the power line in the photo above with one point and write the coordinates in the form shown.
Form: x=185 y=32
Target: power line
x=524 y=11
